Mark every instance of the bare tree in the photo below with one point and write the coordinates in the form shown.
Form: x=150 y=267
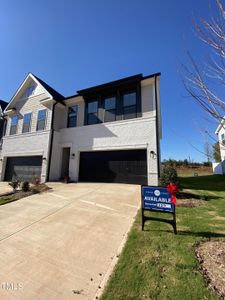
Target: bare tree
x=205 y=81
x=208 y=151
x=216 y=152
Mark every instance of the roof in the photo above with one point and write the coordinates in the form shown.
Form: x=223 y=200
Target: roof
x=116 y=83
x=3 y=104
x=57 y=96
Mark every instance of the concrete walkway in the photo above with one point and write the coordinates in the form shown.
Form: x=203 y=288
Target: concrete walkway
x=62 y=244
x=5 y=188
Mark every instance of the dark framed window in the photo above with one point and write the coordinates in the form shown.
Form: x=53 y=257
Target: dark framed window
x=14 y=123
x=129 y=105
x=110 y=109
x=92 y=112
x=26 y=122
x=72 y=116
x=41 y=121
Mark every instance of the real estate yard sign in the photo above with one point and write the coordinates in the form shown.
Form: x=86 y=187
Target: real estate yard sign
x=158 y=199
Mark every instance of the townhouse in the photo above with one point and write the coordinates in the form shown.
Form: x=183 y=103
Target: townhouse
x=107 y=133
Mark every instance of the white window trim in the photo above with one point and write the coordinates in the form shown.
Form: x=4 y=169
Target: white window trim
x=46 y=116
x=31 y=118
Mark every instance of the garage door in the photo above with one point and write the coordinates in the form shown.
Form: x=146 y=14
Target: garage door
x=25 y=168
x=114 y=166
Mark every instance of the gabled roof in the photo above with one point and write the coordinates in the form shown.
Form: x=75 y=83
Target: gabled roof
x=3 y=104
x=56 y=96
x=53 y=94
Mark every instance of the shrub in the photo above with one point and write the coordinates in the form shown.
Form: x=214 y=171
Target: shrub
x=15 y=183
x=36 y=181
x=25 y=186
x=169 y=174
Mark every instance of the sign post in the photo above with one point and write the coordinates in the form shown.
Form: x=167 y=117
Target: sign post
x=157 y=199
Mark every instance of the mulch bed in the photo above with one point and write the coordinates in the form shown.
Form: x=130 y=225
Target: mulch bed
x=186 y=199
x=18 y=194
x=211 y=256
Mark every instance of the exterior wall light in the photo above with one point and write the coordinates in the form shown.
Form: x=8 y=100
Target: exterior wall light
x=73 y=155
x=153 y=154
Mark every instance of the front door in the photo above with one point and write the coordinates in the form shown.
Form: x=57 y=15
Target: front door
x=65 y=162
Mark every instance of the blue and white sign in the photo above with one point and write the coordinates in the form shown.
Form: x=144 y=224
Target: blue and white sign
x=156 y=198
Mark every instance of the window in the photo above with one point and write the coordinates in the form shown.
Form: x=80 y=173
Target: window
x=26 y=122
x=72 y=116
x=110 y=109
x=41 y=121
x=222 y=137
x=92 y=112
x=14 y=123
x=129 y=105
x=29 y=91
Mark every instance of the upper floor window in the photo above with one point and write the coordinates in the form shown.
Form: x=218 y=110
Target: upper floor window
x=41 y=121
x=110 y=109
x=92 y=112
x=222 y=136
x=14 y=123
x=129 y=105
x=72 y=116
x=118 y=104
x=30 y=91
x=26 y=122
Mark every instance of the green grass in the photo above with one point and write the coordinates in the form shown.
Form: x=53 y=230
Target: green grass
x=7 y=199
x=156 y=264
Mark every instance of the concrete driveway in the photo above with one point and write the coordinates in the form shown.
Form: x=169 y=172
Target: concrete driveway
x=63 y=244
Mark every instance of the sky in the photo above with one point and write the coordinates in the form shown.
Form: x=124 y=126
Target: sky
x=76 y=44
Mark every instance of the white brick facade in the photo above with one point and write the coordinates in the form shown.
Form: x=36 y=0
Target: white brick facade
x=137 y=133
x=33 y=143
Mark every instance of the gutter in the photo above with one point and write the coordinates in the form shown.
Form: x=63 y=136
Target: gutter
x=51 y=142
x=157 y=124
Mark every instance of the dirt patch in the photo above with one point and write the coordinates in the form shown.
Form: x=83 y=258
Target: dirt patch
x=189 y=203
x=219 y=218
x=211 y=256
x=186 y=199
x=212 y=213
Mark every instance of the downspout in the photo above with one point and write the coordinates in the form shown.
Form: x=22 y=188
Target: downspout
x=51 y=142
x=157 y=124
x=4 y=126
x=3 y=130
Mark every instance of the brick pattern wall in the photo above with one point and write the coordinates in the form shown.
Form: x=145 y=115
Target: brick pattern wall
x=31 y=143
x=137 y=133
x=30 y=105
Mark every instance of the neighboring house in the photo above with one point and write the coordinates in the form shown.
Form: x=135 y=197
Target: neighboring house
x=3 y=105
x=106 y=133
x=219 y=168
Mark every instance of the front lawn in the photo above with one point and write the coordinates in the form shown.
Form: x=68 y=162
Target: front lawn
x=156 y=264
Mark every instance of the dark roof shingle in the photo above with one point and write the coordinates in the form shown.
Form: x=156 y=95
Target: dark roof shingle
x=3 y=104
x=57 y=96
